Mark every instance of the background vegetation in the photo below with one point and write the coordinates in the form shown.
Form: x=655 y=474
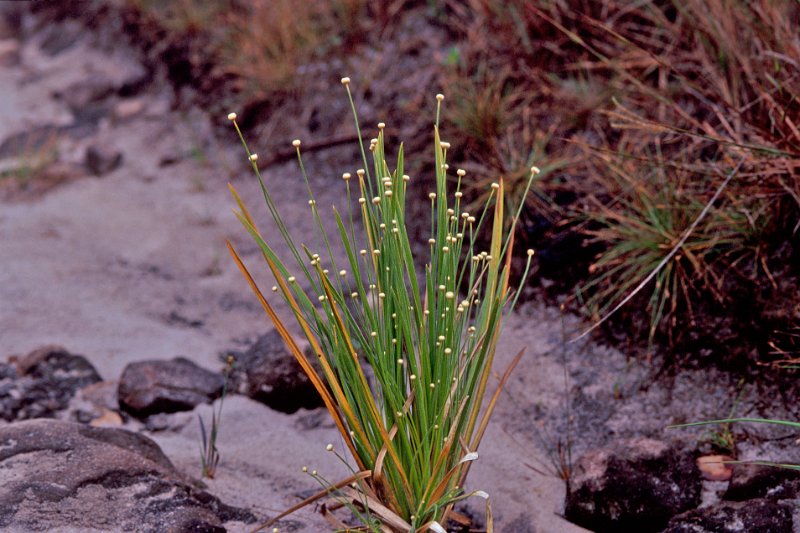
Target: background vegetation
x=636 y=114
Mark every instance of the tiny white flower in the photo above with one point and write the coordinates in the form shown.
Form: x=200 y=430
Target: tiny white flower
x=231 y=116
x=345 y=81
x=329 y=447
x=381 y=125
x=296 y=143
x=343 y=273
x=461 y=172
x=346 y=176
x=291 y=279
x=253 y=157
x=495 y=186
x=439 y=97
x=535 y=170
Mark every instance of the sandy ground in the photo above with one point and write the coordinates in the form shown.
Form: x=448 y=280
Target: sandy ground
x=133 y=266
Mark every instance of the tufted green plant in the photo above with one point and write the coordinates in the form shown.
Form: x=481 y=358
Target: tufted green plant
x=413 y=431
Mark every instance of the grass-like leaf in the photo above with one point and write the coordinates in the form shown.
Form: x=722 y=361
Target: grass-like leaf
x=415 y=431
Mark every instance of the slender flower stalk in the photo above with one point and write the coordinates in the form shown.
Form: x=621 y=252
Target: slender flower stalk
x=429 y=342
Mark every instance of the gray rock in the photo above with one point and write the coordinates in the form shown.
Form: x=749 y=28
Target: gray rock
x=59 y=38
x=102 y=159
x=149 y=387
x=268 y=373
x=37 y=139
x=93 y=88
x=61 y=475
x=762 y=516
x=633 y=485
x=42 y=383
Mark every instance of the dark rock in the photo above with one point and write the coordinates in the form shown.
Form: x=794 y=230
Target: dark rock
x=762 y=516
x=59 y=475
x=101 y=159
x=272 y=376
x=149 y=387
x=42 y=383
x=633 y=485
x=757 y=481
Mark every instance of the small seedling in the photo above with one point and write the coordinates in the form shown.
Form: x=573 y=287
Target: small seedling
x=209 y=454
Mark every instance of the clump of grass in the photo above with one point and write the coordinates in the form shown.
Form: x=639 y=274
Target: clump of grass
x=414 y=433
x=648 y=105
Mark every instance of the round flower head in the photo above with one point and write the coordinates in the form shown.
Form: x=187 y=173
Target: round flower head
x=345 y=81
x=296 y=143
x=439 y=97
x=535 y=170
x=231 y=116
x=253 y=157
